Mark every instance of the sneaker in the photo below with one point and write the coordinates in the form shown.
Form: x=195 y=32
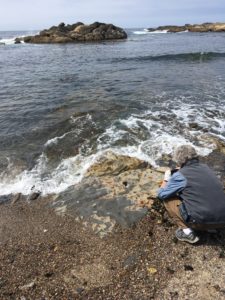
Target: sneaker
x=190 y=238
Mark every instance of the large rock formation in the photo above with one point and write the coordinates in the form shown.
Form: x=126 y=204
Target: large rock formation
x=77 y=32
x=117 y=189
x=205 y=27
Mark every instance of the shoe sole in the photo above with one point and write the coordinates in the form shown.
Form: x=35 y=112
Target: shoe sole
x=188 y=241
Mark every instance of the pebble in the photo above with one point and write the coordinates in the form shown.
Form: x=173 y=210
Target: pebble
x=188 y=268
x=28 y=286
x=80 y=290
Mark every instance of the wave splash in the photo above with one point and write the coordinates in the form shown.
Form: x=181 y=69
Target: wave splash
x=8 y=37
x=145 y=31
x=10 y=41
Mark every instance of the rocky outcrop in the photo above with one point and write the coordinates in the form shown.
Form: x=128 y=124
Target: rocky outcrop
x=77 y=32
x=205 y=27
x=117 y=189
x=17 y=41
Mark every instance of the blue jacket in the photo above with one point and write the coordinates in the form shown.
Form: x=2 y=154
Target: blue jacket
x=175 y=185
x=200 y=191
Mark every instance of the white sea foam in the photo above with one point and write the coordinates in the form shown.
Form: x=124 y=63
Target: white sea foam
x=70 y=171
x=220 y=125
x=151 y=150
x=203 y=117
x=56 y=139
x=140 y=32
x=158 y=142
x=135 y=121
x=146 y=31
x=10 y=41
x=184 y=31
x=158 y=31
x=75 y=119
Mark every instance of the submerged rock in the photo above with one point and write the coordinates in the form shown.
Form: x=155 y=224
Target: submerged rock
x=205 y=27
x=33 y=196
x=77 y=32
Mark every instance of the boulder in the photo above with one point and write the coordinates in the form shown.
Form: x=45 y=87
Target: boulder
x=83 y=29
x=77 y=32
x=17 y=41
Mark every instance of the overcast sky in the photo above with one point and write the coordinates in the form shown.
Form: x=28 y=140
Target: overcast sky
x=39 y=14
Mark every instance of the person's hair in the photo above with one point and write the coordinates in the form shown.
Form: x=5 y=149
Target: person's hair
x=184 y=153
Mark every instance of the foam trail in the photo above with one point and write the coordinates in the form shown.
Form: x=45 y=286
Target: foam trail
x=145 y=31
x=158 y=31
x=70 y=171
x=10 y=41
x=140 y=32
x=164 y=144
x=183 y=31
x=56 y=139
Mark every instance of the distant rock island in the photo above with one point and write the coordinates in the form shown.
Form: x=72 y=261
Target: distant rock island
x=77 y=32
x=205 y=27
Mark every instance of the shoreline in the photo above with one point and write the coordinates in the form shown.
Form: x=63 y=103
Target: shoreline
x=101 y=233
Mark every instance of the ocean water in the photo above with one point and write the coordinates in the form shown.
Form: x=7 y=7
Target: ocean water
x=62 y=106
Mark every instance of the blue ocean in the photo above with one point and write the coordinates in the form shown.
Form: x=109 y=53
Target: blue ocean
x=63 y=106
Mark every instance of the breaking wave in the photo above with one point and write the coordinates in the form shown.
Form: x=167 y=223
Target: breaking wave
x=8 y=41
x=8 y=37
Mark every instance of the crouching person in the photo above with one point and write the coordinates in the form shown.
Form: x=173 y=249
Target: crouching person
x=193 y=196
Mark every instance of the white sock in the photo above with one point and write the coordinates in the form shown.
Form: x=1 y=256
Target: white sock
x=187 y=230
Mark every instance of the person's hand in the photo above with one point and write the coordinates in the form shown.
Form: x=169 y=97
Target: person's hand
x=167 y=175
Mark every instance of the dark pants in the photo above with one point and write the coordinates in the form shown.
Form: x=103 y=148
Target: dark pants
x=172 y=206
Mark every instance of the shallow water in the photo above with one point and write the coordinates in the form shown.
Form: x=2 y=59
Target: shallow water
x=61 y=106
